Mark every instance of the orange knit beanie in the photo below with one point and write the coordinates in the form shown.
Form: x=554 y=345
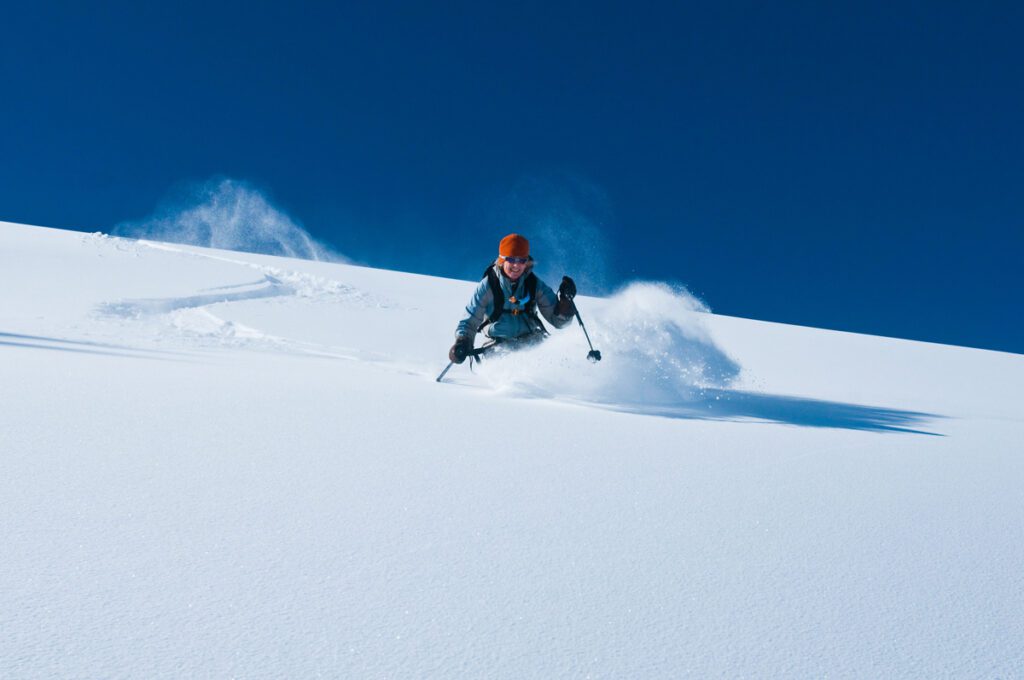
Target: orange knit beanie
x=514 y=245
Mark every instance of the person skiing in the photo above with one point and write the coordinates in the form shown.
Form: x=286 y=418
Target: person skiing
x=507 y=299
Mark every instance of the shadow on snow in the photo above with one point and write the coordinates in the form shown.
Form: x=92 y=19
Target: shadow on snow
x=723 y=404
x=80 y=346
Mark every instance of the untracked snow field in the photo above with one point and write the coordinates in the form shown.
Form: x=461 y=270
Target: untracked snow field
x=223 y=465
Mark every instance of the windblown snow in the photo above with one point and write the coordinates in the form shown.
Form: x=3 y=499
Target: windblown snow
x=220 y=464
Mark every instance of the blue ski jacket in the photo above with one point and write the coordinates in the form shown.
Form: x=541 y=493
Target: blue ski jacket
x=513 y=323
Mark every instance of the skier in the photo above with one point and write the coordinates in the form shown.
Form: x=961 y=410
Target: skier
x=507 y=299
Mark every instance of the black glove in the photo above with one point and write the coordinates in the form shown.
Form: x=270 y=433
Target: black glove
x=565 y=307
x=460 y=350
x=568 y=288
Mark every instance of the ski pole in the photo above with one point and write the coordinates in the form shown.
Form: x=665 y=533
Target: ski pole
x=593 y=355
x=445 y=371
x=471 y=355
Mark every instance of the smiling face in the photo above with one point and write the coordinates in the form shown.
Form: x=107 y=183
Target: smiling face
x=513 y=267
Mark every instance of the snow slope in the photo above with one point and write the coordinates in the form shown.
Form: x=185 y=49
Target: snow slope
x=218 y=464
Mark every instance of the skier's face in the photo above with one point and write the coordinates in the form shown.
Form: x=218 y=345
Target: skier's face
x=513 y=270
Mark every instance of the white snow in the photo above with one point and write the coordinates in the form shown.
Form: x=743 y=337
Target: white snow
x=219 y=464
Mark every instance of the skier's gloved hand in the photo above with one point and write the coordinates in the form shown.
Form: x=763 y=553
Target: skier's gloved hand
x=460 y=350
x=565 y=307
x=566 y=292
x=568 y=288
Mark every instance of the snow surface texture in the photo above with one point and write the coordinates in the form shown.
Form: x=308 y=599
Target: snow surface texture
x=228 y=465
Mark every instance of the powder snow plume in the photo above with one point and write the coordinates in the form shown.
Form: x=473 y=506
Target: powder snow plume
x=655 y=352
x=231 y=215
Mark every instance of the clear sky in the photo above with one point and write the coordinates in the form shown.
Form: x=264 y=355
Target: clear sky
x=857 y=166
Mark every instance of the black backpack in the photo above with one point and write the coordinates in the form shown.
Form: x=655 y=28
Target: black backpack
x=529 y=308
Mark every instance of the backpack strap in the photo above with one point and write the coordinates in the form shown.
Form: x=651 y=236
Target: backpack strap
x=498 y=294
x=531 y=293
x=531 y=306
x=499 y=297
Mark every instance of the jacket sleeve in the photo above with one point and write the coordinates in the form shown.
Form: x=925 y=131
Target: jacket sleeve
x=478 y=309
x=547 y=301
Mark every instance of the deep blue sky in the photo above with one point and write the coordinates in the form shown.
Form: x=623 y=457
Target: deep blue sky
x=857 y=166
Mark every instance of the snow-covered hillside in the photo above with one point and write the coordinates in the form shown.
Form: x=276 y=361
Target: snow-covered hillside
x=218 y=464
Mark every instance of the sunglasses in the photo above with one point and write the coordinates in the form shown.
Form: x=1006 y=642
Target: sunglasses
x=516 y=260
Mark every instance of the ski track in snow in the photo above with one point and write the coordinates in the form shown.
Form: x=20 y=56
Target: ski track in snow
x=191 y=319
x=134 y=309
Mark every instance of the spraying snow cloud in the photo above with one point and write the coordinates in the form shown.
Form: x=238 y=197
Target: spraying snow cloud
x=655 y=350
x=231 y=215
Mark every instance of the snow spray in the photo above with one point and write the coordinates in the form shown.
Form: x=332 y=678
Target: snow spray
x=231 y=215
x=656 y=352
